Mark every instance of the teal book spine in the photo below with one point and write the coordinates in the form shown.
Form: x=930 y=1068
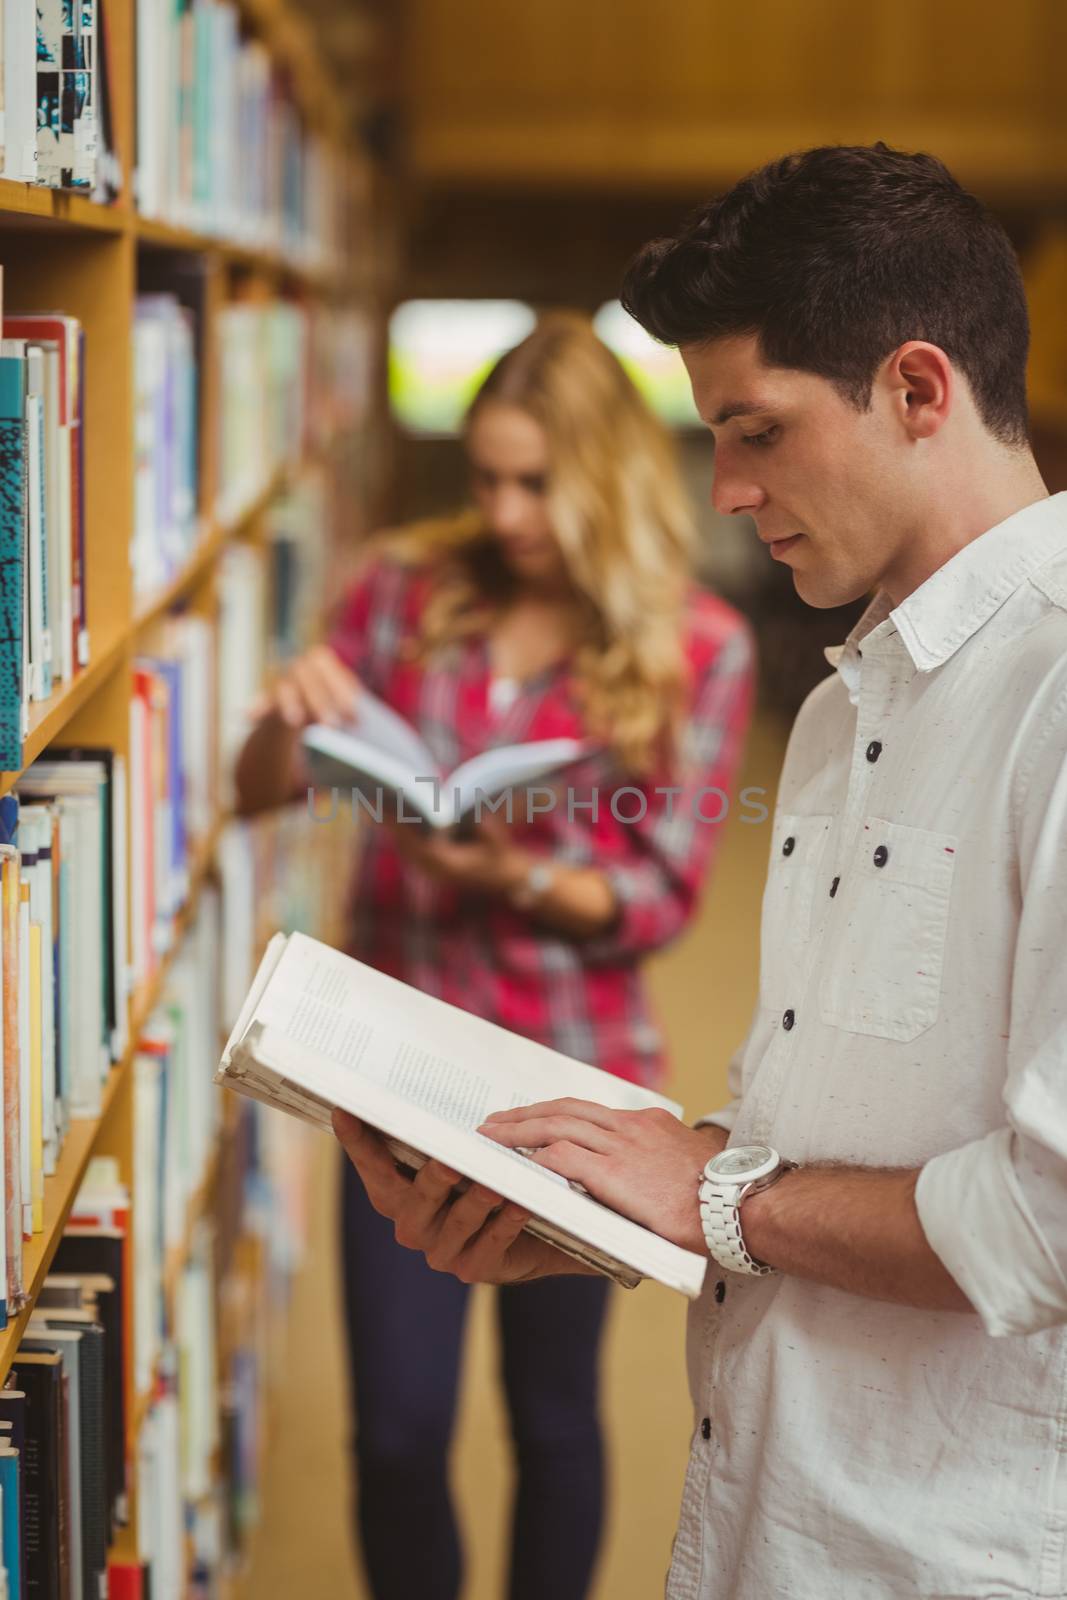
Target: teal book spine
x=13 y=485
x=11 y=1535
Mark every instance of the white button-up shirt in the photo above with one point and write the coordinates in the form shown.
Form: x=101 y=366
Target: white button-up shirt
x=915 y=927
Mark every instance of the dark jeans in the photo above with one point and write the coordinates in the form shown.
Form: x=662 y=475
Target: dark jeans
x=405 y=1327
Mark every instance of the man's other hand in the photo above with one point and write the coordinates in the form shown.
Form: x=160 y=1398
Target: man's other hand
x=463 y=1229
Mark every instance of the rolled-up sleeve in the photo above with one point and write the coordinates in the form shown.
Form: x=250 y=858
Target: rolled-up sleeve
x=657 y=887
x=995 y=1210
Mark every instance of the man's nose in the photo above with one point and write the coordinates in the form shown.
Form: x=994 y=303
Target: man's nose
x=733 y=493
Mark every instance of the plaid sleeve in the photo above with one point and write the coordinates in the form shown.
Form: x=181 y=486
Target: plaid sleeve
x=370 y=621
x=657 y=886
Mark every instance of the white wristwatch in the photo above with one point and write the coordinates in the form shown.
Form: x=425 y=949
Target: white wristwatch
x=728 y=1177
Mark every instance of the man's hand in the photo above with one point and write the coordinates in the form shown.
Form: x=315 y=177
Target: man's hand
x=644 y=1164
x=468 y=1231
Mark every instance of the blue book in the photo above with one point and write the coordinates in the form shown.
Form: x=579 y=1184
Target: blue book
x=11 y=1532
x=13 y=504
x=9 y=819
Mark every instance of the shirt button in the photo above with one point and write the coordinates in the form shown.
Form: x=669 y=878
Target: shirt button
x=833 y=887
x=874 y=750
x=705 y=1428
x=788 y=1020
x=881 y=855
x=720 y=1292
x=789 y=846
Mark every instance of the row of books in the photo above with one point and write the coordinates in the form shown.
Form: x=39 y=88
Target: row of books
x=161 y=1294
x=43 y=631
x=88 y=832
x=221 y=147
x=62 y=944
x=63 y=1407
x=56 y=129
x=291 y=380
x=76 y=823
x=173 y=779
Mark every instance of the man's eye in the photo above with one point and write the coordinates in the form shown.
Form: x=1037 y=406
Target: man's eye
x=768 y=436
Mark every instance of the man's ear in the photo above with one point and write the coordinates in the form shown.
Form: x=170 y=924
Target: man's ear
x=922 y=386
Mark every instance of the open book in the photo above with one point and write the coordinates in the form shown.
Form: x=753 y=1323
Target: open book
x=380 y=751
x=319 y=1029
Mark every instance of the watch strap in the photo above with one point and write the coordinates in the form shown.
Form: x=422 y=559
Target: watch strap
x=720 y=1218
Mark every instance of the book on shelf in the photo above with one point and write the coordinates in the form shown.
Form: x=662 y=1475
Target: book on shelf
x=165 y=526
x=379 y=750
x=43 y=631
x=220 y=146
x=39 y=1375
x=320 y=1029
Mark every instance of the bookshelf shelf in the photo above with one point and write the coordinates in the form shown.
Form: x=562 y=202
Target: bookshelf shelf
x=49 y=717
x=39 y=205
x=59 y=1193
x=212 y=543
x=189 y=360
x=60 y=1190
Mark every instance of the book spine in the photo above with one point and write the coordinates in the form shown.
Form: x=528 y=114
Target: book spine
x=25 y=1071
x=49 y=49
x=80 y=601
x=84 y=90
x=32 y=936
x=9 y=877
x=12 y=571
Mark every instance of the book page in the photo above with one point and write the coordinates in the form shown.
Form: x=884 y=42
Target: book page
x=362 y=1018
x=509 y=766
x=377 y=743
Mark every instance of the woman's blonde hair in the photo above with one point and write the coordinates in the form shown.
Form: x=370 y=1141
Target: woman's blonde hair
x=620 y=514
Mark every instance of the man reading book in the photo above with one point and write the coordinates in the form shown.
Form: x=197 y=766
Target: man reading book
x=878 y=1357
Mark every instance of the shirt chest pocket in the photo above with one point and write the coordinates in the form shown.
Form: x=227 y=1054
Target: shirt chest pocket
x=794 y=872
x=885 y=945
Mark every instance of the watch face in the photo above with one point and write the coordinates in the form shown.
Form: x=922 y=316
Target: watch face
x=744 y=1162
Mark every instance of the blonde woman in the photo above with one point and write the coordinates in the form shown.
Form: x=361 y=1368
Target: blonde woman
x=561 y=604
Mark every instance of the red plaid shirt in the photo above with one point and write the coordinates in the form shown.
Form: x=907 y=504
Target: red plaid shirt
x=584 y=997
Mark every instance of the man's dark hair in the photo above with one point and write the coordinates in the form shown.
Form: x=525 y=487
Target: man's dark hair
x=833 y=257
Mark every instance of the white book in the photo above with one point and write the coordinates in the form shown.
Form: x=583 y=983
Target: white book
x=383 y=760
x=120 y=965
x=25 y=1077
x=56 y=441
x=20 y=91
x=35 y=834
x=147 y=1222
x=319 y=1029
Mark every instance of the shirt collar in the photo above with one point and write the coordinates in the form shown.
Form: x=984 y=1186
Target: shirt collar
x=960 y=597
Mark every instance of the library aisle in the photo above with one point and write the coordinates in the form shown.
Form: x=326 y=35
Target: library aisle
x=704 y=989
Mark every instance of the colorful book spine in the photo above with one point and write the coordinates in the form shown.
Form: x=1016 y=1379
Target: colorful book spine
x=13 y=485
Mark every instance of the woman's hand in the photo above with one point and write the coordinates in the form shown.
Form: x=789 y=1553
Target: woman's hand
x=473 y=1234
x=316 y=687
x=488 y=863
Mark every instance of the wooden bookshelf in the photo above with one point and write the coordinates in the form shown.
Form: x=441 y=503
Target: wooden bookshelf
x=63 y=252
x=84 y=1132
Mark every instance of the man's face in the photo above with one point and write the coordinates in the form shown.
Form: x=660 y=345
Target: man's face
x=823 y=482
